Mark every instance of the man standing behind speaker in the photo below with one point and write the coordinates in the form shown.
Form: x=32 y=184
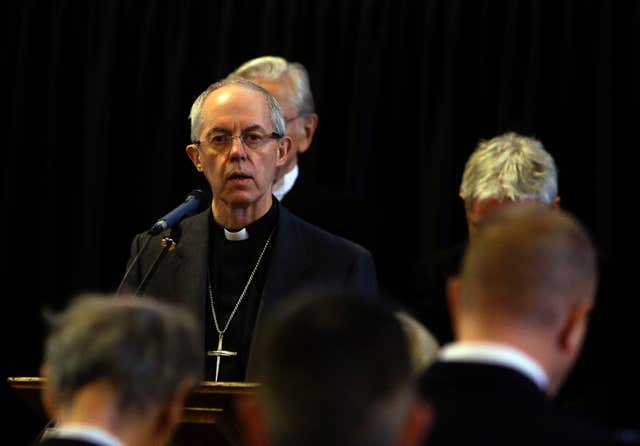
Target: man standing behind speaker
x=333 y=210
x=246 y=252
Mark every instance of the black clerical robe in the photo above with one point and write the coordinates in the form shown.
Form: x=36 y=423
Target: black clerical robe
x=237 y=271
x=303 y=257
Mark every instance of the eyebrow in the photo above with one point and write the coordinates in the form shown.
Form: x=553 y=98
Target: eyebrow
x=224 y=130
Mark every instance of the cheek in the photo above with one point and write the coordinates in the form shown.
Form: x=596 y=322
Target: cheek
x=212 y=168
x=269 y=167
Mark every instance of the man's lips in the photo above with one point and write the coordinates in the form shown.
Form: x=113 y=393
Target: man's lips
x=239 y=177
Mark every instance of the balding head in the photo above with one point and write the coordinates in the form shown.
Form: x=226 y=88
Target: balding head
x=529 y=263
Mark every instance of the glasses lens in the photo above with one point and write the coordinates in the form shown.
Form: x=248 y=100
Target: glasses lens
x=253 y=140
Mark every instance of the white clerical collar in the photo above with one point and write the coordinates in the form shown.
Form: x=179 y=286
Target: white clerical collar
x=236 y=236
x=498 y=354
x=284 y=184
x=86 y=432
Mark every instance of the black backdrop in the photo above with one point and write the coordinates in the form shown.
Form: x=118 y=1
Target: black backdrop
x=99 y=93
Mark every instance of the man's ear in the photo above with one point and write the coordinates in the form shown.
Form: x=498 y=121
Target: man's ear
x=169 y=414
x=573 y=331
x=194 y=156
x=251 y=417
x=47 y=397
x=285 y=145
x=417 y=425
x=309 y=126
x=454 y=284
x=556 y=202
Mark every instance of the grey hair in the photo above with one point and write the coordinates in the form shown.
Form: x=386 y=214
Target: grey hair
x=510 y=166
x=144 y=348
x=273 y=68
x=195 y=116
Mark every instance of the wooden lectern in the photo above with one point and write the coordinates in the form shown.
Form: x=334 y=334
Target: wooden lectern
x=206 y=419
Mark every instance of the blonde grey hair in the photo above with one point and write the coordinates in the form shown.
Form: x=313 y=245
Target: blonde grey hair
x=510 y=166
x=274 y=68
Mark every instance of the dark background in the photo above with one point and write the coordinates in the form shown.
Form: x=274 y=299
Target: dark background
x=99 y=93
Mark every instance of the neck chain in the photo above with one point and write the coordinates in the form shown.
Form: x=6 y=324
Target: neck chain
x=219 y=351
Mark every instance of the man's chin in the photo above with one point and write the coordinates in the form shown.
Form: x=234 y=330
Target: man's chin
x=243 y=198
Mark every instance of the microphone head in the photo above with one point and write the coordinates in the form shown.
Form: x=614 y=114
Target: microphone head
x=195 y=193
x=203 y=196
x=197 y=200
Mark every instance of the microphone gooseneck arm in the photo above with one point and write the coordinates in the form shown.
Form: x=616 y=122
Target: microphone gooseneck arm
x=167 y=244
x=131 y=265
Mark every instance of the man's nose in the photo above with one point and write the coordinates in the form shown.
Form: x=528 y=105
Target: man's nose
x=237 y=149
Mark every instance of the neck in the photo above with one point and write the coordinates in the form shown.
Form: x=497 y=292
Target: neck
x=234 y=217
x=286 y=168
x=535 y=343
x=95 y=406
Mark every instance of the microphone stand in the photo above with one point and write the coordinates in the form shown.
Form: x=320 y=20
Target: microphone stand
x=167 y=244
x=130 y=267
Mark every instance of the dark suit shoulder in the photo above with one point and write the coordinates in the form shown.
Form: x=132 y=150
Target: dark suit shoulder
x=321 y=238
x=491 y=404
x=473 y=380
x=324 y=259
x=337 y=213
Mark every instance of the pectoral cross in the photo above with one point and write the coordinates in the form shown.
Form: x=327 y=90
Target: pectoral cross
x=218 y=353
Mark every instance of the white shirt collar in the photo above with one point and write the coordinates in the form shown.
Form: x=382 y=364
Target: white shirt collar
x=235 y=236
x=86 y=432
x=498 y=354
x=284 y=184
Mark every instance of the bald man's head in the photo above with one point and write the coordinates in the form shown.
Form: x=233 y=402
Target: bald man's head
x=530 y=263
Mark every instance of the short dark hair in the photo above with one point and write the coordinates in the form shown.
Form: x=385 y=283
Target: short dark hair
x=144 y=348
x=530 y=261
x=334 y=369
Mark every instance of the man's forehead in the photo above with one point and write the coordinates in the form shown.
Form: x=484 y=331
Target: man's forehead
x=236 y=103
x=235 y=93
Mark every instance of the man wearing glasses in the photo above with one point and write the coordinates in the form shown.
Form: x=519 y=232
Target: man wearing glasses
x=235 y=260
x=288 y=82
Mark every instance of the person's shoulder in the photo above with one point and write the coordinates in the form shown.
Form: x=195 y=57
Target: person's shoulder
x=333 y=211
x=319 y=237
x=469 y=395
x=486 y=381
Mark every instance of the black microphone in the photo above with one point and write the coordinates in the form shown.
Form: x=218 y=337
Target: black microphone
x=191 y=204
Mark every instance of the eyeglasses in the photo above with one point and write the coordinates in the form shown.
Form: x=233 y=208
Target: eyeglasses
x=221 y=142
